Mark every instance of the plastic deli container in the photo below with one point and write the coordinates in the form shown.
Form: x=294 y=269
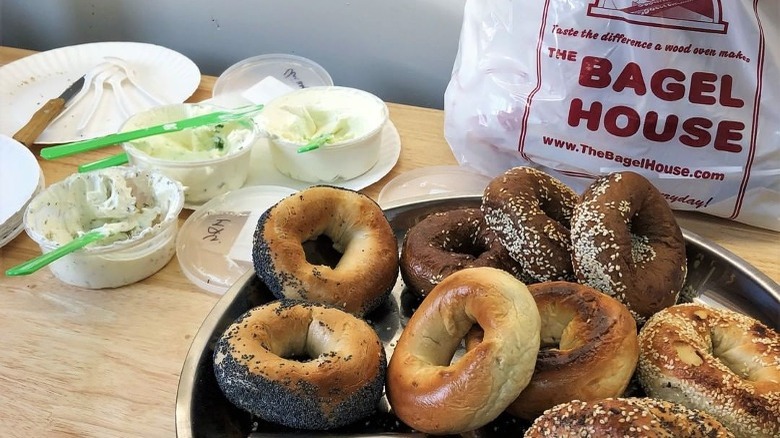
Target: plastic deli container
x=354 y=117
x=208 y=160
x=294 y=72
x=148 y=201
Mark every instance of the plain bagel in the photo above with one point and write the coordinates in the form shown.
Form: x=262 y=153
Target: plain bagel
x=302 y=365
x=589 y=348
x=367 y=269
x=431 y=393
x=716 y=360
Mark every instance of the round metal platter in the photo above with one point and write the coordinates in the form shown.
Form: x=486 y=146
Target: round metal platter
x=716 y=277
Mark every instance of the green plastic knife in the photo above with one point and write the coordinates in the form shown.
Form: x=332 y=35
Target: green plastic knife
x=65 y=150
x=42 y=260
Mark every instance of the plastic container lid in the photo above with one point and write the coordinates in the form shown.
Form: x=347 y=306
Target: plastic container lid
x=214 y=246
x=294 y=71
x=431 y=182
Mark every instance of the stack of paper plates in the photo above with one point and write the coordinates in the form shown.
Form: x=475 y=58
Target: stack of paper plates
x=20 y=180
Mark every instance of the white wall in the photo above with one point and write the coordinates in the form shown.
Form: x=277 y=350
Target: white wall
x=401 y=50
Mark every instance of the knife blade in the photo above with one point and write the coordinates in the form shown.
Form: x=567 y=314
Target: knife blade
x=28 y=133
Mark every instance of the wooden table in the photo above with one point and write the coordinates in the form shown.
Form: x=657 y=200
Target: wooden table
x=78 y=362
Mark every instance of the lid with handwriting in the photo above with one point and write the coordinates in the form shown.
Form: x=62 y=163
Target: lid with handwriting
x=214 y=246
x=260 y=78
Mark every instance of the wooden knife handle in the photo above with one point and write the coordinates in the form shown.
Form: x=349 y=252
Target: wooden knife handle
x=39 y=121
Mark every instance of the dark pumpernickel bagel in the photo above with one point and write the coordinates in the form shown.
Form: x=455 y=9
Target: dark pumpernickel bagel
x=448 y=241
x=627 y=243
x=301 y=365
x=368 y=265
x=530 y=211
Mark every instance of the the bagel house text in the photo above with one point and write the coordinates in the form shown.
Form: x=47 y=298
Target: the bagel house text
x=667 y=84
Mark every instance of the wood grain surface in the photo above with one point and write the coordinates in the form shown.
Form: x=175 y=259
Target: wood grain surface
x=105 y=363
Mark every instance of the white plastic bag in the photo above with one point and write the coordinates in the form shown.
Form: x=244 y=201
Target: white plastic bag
x=685 y=92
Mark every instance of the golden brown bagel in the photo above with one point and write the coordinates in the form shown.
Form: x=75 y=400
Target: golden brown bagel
x=256 y=367
x=719 y=361
x=626 y=417
x=627 y=243
x=589 y=348
x=368 y=267
x=433 y=395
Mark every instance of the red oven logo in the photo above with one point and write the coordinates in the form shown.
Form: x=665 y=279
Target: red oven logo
x=696 y=15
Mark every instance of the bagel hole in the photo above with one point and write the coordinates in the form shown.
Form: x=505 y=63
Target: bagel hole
x=321 y=251
x=471 y=340
x=467 y=247
x=641 y=250
x=727 y=347
x=557 y=332
x=553 y=207
x=303 y=357
x=295 y=351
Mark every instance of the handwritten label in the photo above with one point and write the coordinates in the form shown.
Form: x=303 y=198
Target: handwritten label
x=292 y=76
x=219 y=231
x=215 y=229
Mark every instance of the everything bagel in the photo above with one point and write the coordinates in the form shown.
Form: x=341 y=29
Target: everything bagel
x=431 y=394
x=626 y=417
x=716 y=360
x=367 y=269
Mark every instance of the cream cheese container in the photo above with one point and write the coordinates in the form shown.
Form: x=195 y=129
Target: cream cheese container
x=208 y=160
x=146 y=203
x=354 y=118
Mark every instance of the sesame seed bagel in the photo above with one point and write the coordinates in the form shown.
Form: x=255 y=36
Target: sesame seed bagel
x=367 y=269
x=589 y=348
x=627 y=243
x=625 y=417
x=715 y=360
x=530 y=212
x=448 y=241
x=431 y=393
x=256 y=368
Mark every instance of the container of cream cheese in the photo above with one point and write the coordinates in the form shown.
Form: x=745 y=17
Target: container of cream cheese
x=352 y=119
x=145 y=203
x=208 y=160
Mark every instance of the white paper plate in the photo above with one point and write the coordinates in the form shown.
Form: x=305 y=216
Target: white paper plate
x=263 y=172
x=28 y=83
x=14 y=226
x=20 y=180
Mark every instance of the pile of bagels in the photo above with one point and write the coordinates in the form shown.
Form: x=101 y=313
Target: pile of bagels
x=541 y=304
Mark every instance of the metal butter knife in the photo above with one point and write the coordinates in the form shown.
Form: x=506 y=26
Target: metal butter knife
x=46 y=113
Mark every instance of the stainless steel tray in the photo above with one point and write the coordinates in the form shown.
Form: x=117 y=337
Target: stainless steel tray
x=715 y=276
